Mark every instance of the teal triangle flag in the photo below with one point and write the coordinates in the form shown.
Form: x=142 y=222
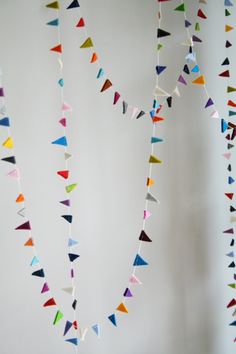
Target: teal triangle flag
x=155 y=140
x=232 y=113
x=54 y=22
x=139 y=261
x=60 y=141
x=112 y=318
x=34 y=261
x=100 y=73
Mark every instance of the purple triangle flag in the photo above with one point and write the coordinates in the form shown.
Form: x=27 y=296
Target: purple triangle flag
x=209 y=103
x=182 y=80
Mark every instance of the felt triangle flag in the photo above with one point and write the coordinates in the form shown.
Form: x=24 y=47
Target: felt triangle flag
x=226 y=61
x=100 y=73
x=228 y=28
x=62 y=121
x=182 y=80
x=68 y=218
x=231 y=265
x=54 y=22
x=14 y=174
x=160 y=92
x=233 y=323
x=74 y=4
x=195 y=69
x=96 y=329
x=144 y=237
x=25 y=226
x=67 y=156
x=196 y=39
x=233 y=219
x=21 y=212
x=140 y=114
x=60 y=141
x=161 y=33
x=199 y=80
x=112 y=318
x=187 y=24
x=134 y=112
x=230 y=180
x=169 y=101
x=8 y=143
x=61 y=82
x=231 y=303
x=229 y=231
x=197 y=27
x=70 y=290
x=39 y=273
x=139 y=261
x=87 y=44
x=186 y=69
x=54 y=5
x=20 y=198
x=160 y=69
x=50 y=302
x=107 y=84
x=227 y=13
x=232 y=113
x=125 y=107
x=231 y=89
x=224 y=125
x=34 y=261
x=67 y=327
x=57 y=48
x=176 y=91
x=181 y=7
x=127 y=293
x=146 y=214
x=228 y=3
x=1 y=92
x=81 y=23
x=225 y=74
x=227 y=155
x=188 y=42
x=10 y=159
x=230 y=254
x=71 y=187
x=45 y=288
x=154 y=159
x=74 y=341
x=65 y=202
x=74 y=304
x=134 y=280
x=58 y=317
x=73 y=256
x=72 y=242
x=5 y=122
x=122 y=308
x=30 y=242
x=229 y=195
x=66 y=107
x=209 y=103
x=116 y=97
x=94 y=58
x=150 y=182
x=228 y=44
x=150 y=197
x=201 y=14
x=64 y=174
x=233 y=286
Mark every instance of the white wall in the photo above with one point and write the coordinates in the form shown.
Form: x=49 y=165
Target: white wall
x=181 y=306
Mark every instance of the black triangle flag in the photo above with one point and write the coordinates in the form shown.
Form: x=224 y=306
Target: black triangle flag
x=72 y=256
x=10 y=159
x=39 y=273
x=144 y=237
x=74 y=4
x=232 y=209
x=162 y=33
x=68 y=218
x=169 y=101
x=125 y=107
x=141 y=113
x=225 y=62
x=74 y=304
x=232 y=242
x=186 y=69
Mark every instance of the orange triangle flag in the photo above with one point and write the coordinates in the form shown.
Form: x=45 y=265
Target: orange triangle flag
x=150 y=182
x=228 y=28
x=94 y=58
x=57 y=48
x=20 y=198
x=122 y=308
x=30 y=242
x=199 y=80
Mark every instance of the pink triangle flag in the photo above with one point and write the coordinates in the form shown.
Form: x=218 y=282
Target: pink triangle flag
x=227 y=155
x=134 y=280
x=146 y=214
x=14 y=174
x=62 y=121
x=215 y=114
x=45 y=288
x=134 y=112
x=66 y=107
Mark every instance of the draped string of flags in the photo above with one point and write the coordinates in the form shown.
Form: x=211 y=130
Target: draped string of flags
x=190 y=68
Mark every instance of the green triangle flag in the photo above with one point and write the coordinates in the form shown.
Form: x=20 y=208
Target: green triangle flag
x=58 y=317
x=53 y=5
x=87 y=44
x=181 y=8
x=71 y=187
x=230 y=89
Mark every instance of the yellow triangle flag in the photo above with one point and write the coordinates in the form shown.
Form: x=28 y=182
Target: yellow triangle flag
x=199 y=80
x=228 y=28
x=150 y=182
x=87 y=44
x=154 y=159
x=53 y=5
x=122 y=308
x=8 y=143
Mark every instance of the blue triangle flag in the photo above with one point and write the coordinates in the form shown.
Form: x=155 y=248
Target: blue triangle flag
x=72 y=242
x=233 y=323
x=224 y=125
x=139 y=261
x=67 y=327
x=112 y=318
x=61 y=82
x=231 y=180
x=60 y=141
x=34 y=261
x=96 y=329
x=160 y=69
x=195 y=69
x=228 y=3
x=74 y=4
x=74 y=341
x=5 y=122
x=100 y=73
x=54 y=22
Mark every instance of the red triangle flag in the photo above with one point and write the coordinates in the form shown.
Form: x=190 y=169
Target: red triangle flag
x=225 y=73
x=50 y=302
x=201 y=14
x=64 y=174
x=81 y=23
x=57 y=48
x=229 y=195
